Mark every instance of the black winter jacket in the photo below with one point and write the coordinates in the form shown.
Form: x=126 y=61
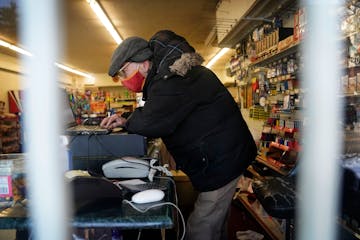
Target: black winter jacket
x=199 y=122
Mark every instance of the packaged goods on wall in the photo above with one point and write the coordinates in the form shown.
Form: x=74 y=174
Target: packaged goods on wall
x=2 y=107
x=9 y=133
x=93 y=104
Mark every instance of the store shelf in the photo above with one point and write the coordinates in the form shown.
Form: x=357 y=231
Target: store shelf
x=285 y=77
x=271 y=165
x=246 y=24
x=277 y=56
x=126 y=100
x=268 y=223
x=286 y=129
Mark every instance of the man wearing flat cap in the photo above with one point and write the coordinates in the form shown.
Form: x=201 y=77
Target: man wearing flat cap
x=188 y=107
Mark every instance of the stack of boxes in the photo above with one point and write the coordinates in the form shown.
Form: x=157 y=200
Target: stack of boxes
x=281 y=38
x=9 y=133
x=271 y=42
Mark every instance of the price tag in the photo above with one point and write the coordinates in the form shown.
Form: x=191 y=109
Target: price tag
x=5 y=186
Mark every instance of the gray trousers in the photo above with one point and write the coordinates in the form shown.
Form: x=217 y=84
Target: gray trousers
x=208 y=221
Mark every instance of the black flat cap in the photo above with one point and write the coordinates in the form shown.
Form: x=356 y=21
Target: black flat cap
x=132 y=49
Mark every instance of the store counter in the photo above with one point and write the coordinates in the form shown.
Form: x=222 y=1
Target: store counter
x=90 y=152
x=122 y=216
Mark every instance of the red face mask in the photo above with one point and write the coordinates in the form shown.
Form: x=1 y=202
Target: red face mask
x=134 y=82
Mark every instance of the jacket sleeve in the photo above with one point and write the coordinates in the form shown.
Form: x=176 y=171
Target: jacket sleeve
x=167 y=106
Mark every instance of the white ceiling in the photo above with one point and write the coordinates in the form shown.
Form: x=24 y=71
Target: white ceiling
x=88 y=46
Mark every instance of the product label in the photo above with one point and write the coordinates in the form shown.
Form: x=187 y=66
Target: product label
x=5 y=186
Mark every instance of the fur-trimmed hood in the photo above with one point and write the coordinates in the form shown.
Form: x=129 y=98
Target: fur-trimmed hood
x=172 y=54
x=187 y=60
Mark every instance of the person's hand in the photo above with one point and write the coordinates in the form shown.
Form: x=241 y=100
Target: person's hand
x=113 y=121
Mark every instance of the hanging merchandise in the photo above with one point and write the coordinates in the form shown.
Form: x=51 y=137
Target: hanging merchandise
x=15 y=101
x=254 y=84
x=286 y=104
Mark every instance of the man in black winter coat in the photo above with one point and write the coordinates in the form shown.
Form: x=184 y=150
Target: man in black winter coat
x=188 y=107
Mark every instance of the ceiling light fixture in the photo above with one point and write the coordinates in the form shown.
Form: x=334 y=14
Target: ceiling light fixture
x=95 y=6
x=216 y=57
x=14 y=48
x=22 y=51
x=77 y=72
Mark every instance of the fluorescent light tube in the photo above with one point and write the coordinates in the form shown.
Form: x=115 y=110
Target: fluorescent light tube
x=22 y=51
x=77 y=72
x=104 y=20
x=216 y=57
x=14 y=48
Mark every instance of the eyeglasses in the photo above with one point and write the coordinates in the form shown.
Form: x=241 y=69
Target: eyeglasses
x=121 y=73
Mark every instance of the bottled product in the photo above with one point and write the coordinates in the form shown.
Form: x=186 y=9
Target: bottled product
x=12 y=179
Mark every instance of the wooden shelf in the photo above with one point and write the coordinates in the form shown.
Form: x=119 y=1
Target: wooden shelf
x=286 y=77
x=268 y=223
x=286 y=129
x=290 y=50
x=277 y=169
x=125 y=100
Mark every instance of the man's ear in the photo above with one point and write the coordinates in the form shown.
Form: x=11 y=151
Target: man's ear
x=145 y=66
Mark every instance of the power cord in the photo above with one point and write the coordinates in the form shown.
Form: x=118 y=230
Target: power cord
x=160 y=168
x=154 y=169
x=158 y=205
x=176 y=198
x=139 y=235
